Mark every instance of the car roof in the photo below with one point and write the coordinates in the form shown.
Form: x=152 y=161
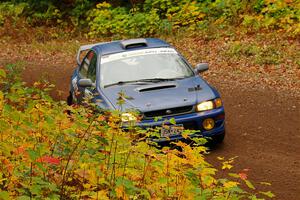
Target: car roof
x=129 y=45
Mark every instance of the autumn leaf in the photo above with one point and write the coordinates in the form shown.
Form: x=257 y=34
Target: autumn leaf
x=268 y=194
x=185 y=135
x=49 y=159
x=265 y=183
x=172 y=121
x=243 y=176
x=2 y=73
x=230 y=184
x=226 y=165
x=220 y=158
x=1 y=100
x=249 y=184
x=234 y=175
x=120 y=191
x=4 y=195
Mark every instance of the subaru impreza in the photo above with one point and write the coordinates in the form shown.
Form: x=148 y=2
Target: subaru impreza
x=158 y=83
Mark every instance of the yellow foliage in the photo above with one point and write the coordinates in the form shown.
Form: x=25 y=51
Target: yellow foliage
x=230 y=184
x=1 y=100
x=50 y=152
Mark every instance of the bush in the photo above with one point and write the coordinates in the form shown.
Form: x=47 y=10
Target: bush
x=275 y=14
x=46 y=12
x=142 y=18
x=9 y=11
x=192 y=15
x=120 y=22
x=51 y=150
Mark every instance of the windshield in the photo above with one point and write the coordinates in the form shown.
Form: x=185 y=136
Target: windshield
x=156 y=63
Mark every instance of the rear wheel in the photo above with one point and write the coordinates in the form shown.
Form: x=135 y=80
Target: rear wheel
x=70 y=100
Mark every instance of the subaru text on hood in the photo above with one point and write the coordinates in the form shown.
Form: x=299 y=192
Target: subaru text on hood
x=158 y=82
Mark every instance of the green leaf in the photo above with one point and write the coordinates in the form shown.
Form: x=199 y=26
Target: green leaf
x=170 y=190
x=36 y=189
x=234 y=175
x=41 y=167
x=157 y=118
x=23 y=198
x=253 y=197
x=268 y=194
x=163 y=180
x=144 y=193
x=33 y=155
x=2 y=73
x=4 y=195
x=172 y=121
x=249 y=184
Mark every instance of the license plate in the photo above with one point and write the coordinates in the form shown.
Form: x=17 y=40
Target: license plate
x=169 y=130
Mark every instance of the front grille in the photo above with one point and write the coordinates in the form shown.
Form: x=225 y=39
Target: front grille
x=168 y=112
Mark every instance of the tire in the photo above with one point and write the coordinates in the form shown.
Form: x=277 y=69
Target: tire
x=218 y=139
x=70 y=99
x=214 y=141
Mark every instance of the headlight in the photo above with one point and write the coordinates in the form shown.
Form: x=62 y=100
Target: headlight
x=209 y=105
x=206 y=105
x=127 y=117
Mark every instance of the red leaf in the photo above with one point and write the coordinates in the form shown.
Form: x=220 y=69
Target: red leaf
x=20 y=150
x=49 y=160
x=243 y=176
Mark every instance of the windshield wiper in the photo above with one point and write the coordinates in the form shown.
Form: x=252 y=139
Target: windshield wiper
x=159 y=79
x=119 y=83
x=152 y=80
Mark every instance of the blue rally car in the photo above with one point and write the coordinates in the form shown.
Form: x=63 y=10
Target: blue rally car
x=157 y=81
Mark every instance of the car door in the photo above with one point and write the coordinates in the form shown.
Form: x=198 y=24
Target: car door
x=87 y=70
x=91 y=74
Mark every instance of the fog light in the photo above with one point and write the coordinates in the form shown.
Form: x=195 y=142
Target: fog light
x=208 y=124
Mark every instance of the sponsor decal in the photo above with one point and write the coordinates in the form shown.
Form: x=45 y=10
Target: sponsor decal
x=130 y=54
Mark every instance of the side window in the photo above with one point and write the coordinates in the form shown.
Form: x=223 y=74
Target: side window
x=85 y=65
x=91 y=74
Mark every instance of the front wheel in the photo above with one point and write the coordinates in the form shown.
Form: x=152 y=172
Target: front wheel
x=215 y=140
x=218 y=139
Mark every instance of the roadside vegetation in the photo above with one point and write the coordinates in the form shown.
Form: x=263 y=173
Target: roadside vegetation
x=51 y=150
x=140 y=18
x=55 y=151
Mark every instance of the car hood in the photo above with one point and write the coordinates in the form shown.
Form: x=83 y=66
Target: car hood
x=162 y=95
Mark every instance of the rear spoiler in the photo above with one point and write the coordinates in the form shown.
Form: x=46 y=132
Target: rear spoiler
x=125 y=45
x=84 y=48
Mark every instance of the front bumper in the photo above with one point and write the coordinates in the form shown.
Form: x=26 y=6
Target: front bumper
x=191 y=121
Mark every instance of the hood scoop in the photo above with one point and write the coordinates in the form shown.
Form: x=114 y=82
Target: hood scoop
x=155 y=87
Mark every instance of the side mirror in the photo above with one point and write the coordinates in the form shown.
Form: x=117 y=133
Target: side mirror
x=85 y=82
x=201 y=67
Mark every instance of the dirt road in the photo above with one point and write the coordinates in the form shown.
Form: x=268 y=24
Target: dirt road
x=263 y=130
